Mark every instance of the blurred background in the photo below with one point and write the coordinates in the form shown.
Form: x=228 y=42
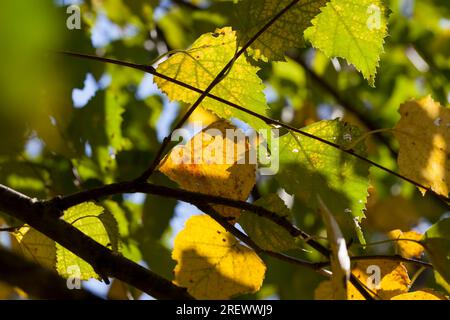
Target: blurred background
x=68 y=124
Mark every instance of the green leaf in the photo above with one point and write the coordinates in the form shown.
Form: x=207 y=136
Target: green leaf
x=285 y=33
x=267 y=234
x=309 y=167
x=351 y=29
x=92 y=220
x=114 y=108
x=437 y=244
x=198 y=67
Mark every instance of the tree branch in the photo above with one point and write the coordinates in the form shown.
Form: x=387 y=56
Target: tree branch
x=314 y=266
x=42 y=216
x=36 y=280
x=367 y=121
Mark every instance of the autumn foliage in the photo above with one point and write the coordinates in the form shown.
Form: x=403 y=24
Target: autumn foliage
x=345 y=101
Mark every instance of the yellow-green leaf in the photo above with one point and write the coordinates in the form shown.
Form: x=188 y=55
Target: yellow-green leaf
x=287 y=32
x=351 y=29
x=419 y=295
x=199 y=66
x=36 y=246
x=408 y=249
x=267 y=234
x=212 y=264
x=437 y=244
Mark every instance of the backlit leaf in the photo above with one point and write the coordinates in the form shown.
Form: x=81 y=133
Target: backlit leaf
x=424 y=133
x=393 y=280
x=351 y=29
x=267 y=234
x=200 y=64
x=419 y=295
x=92 y=220
x=36 y=246
x=209 y=164
x=212 y=264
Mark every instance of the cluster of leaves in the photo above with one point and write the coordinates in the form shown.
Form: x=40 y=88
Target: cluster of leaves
x=337 y=197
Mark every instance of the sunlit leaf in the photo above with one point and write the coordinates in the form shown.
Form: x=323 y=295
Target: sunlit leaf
x=212 y=264
x=423 y=133
x=285 y=33
x=92 y=220
x=408 y=249
x=437 y=244
x=351 y=29
x=36 y=246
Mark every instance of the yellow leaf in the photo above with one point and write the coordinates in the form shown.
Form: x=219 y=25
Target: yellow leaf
x=419 y=295
x=201 y=63
x=35 y=246
x=212 y=264
x=408 y=249
x=210 y=163
x=393 y=280
x=423 y=133
x=340 y=261
x=203 y=116
x=5 y=291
